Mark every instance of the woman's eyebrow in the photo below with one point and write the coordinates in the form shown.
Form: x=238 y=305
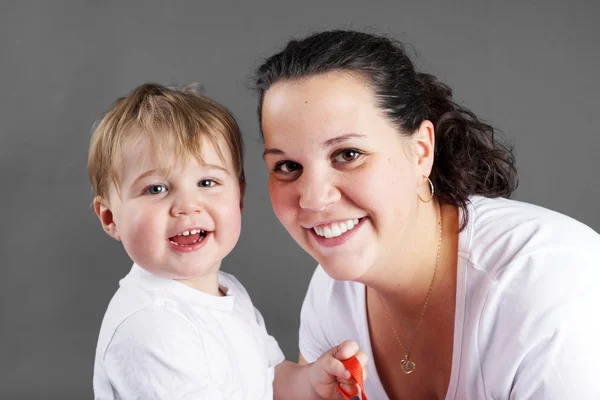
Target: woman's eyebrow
x=342 y=138
x=272 y=151
x=328 y=143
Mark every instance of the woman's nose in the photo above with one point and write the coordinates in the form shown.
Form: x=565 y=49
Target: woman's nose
x=317 y=191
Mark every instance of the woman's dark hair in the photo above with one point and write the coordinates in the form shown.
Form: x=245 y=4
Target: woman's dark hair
x=468 y=158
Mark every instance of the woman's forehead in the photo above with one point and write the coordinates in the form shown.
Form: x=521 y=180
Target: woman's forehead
x=319 y=110
x=333 y=91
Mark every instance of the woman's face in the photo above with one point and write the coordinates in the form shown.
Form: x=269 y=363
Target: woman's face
x=343 y=181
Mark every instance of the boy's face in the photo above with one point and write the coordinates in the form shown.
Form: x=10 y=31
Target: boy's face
x=177 y=223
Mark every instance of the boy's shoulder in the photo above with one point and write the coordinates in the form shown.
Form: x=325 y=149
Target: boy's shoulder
x=231 y=284
x=142 y=299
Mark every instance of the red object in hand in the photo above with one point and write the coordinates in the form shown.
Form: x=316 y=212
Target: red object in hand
x=353 y=365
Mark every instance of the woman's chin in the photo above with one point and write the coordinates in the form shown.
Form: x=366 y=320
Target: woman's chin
x=343 y=271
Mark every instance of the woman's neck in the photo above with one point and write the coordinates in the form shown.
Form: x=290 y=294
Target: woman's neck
x=404 y=279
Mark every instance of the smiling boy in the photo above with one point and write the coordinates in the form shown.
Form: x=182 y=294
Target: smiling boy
x=166 y=166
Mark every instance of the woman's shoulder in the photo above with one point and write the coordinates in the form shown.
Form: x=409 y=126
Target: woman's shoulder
x=515 y=214
x=503 y=233
x=332 y=312
x=531 y=290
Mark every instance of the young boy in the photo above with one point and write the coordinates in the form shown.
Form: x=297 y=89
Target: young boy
x=167 y=170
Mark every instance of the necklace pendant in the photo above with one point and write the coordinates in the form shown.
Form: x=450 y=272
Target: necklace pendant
x=407 y=366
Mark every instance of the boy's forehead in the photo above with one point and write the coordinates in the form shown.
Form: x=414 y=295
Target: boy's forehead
x=143 y=155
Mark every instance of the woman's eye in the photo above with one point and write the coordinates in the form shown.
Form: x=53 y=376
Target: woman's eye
x=156 y=189
x=207 y=183
x=287 y=167
x=346 y=155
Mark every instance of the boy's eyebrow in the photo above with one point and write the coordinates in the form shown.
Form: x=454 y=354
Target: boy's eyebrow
x=214 y=166
x=164 y=171
x=147 y=173
x=328 y=143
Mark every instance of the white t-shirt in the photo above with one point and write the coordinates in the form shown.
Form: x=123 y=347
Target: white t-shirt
x=527 y=321
x=161 y=339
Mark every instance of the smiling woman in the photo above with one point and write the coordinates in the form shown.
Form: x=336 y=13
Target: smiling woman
x=399 y=193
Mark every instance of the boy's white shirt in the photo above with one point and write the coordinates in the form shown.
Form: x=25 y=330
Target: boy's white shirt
x=161 y=339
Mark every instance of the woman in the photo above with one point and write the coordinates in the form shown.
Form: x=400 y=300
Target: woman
x=400 y=194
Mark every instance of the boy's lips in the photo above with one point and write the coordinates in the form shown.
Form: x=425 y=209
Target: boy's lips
x=188 y=237
x=188 y=231
x=190 y=242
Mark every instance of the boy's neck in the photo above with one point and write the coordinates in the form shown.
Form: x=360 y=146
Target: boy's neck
x=208 y=284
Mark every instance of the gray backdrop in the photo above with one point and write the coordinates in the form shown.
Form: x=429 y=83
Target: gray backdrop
x=530 y=68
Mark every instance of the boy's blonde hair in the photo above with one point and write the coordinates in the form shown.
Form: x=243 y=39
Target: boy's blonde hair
x=177 y=117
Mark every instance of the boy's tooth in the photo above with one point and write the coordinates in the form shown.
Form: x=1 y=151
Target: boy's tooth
x=194 y=231
x=185 y=233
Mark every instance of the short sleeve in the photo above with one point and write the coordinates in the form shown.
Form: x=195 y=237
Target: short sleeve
x=274 y=353
x=552 y=330
x=158 y=354
x=272 y=349
x=313 y=341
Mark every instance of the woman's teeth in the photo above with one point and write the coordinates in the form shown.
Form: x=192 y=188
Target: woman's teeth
x=335 y=229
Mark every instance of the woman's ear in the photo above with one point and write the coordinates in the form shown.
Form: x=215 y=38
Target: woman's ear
x=242 y=192
x=105 y=215
x=424 y=146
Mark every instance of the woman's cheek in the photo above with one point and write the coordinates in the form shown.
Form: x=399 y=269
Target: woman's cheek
x=277 y=195
x=282 y=202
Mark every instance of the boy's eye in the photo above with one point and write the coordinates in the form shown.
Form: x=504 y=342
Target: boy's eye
x=347 y=155
x=287 y=167
x=207 y=183
x=156 y=189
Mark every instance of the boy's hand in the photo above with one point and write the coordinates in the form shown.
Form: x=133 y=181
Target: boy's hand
x=328 y=371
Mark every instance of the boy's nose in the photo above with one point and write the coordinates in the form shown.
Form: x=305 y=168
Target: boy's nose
x=186 y=204
x=317 y=192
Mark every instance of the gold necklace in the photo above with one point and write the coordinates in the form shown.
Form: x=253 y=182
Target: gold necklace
x=406 y=364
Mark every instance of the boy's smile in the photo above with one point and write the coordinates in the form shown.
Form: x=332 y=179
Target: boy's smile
x=188 y=238
x=176 y=218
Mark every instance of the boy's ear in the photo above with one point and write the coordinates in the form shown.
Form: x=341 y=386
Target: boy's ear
x=105 y=215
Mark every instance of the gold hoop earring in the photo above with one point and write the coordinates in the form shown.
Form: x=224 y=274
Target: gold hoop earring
x=432 y=192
